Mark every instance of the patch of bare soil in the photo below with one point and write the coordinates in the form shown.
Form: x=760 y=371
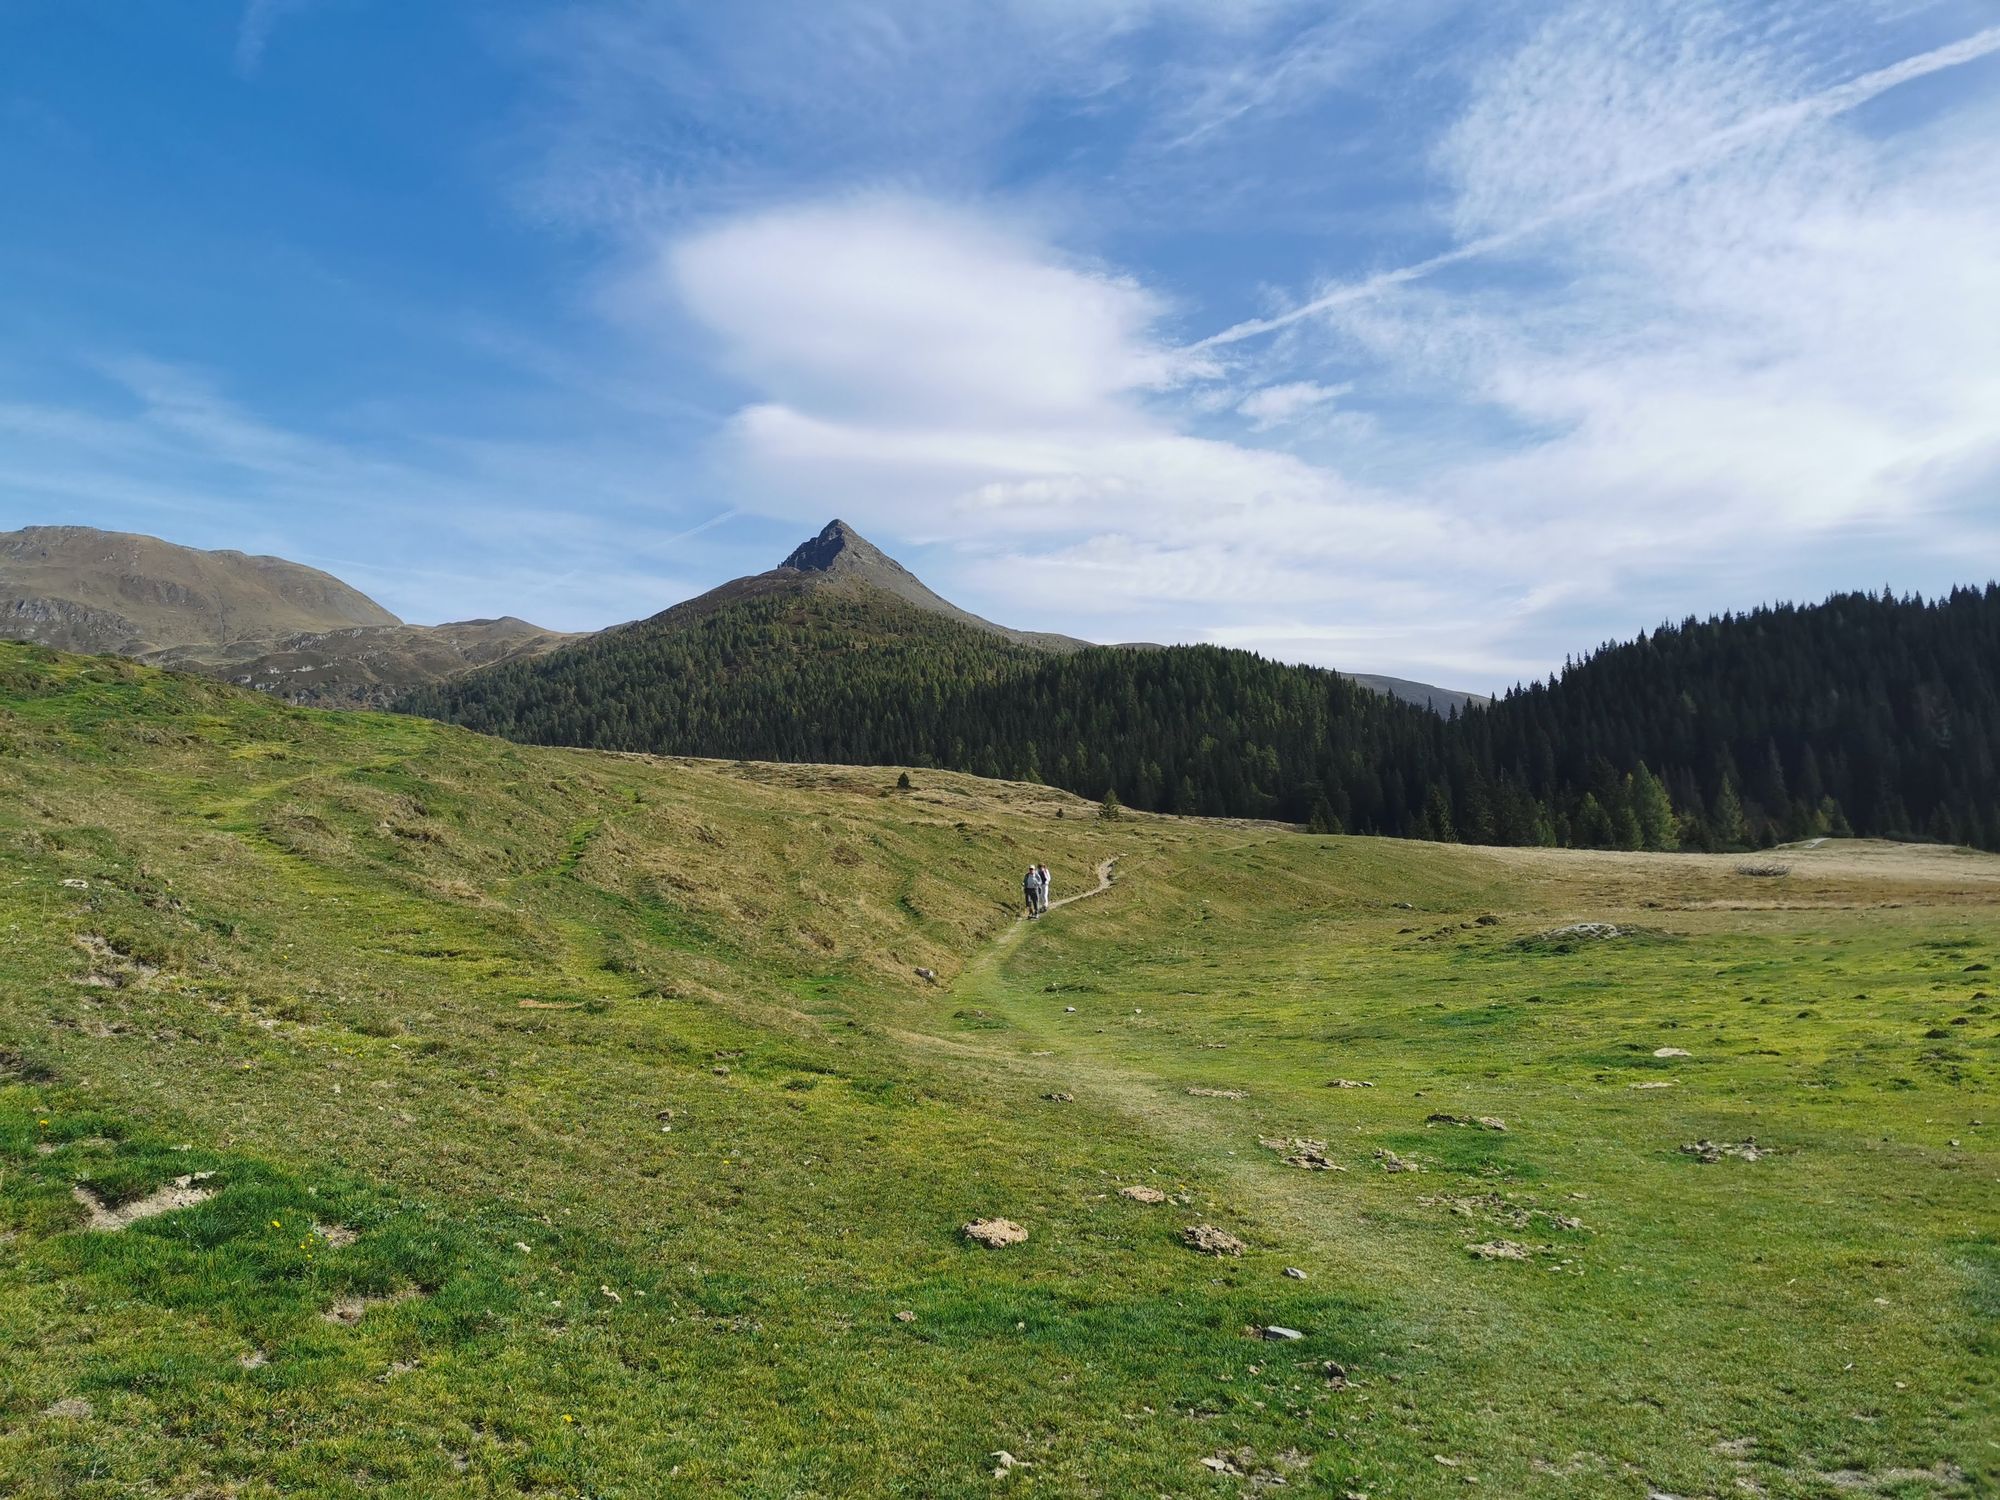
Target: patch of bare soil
x=551 y=1004
x=337 y=1235
x=1499 y=1250
x=1349 y=1083
x=1138 y=1192
x=1243 y=1463
x=1391 y=1162
x=1478 y=1122
x=1503 y=1210
x=1298 y=1151
x=112 y=967
x=1712 y=1151
x=995 y=1233
x=1202 y=1093
x=180 y=1193
x=1209 y=1240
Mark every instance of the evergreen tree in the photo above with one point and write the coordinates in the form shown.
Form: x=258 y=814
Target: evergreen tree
x=1658 y=827
x=1730 y=829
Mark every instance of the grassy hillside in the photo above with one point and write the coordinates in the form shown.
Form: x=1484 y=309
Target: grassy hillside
x=260 y=622
x=364 y=667
x=579 y=1124
x=83 y=589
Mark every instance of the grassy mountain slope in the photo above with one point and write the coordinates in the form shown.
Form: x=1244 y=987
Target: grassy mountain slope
x=1422 y=694
x=368 y=666
x=260 y=622
x=841 y=555
x=426 y=1004
x=81 y=589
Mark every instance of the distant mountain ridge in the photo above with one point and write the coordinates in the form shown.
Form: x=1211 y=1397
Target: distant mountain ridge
x=304 y=635
x=262 y=622
x=1422 y=694
x=82 y=589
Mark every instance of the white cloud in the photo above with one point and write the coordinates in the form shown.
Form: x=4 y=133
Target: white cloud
x=1720 y=351
x=1280 y=405
x=1765 y=347
x=1692 y=113
x=880 y=306
x=944 y=371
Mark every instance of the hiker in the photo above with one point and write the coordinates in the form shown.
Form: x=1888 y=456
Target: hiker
x=1042 y=880
x=1031 y=891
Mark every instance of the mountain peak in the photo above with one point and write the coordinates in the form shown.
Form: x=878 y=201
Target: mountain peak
x=841 y=556
x=838 y=542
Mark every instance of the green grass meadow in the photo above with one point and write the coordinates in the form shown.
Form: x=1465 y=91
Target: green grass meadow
x=580 y=1125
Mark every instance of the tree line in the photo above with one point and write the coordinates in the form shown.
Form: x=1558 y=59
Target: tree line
x=1866 y=714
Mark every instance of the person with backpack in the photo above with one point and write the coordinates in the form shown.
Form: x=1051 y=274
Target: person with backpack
x=1031 y=891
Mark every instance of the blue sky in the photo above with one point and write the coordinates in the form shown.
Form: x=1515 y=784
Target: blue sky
x=1416 y=336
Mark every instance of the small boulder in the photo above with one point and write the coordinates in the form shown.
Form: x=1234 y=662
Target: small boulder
x=1672 y=1052
x=1278 y=1334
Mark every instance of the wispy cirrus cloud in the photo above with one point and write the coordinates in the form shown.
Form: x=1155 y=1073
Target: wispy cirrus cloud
x=253 y=31
x=1683 y=157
